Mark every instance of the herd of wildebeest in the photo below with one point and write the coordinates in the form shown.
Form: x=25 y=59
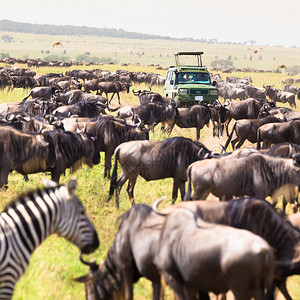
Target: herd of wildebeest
x=242 y=244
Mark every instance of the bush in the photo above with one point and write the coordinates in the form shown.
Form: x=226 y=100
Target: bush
x=95 y=59
x=7 y=38
x=57 y=57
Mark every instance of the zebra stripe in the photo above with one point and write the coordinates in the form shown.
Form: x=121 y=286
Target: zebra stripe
x=29 y=220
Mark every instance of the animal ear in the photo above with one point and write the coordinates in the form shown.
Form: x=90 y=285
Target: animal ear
x=72 y=185
x=49 y=183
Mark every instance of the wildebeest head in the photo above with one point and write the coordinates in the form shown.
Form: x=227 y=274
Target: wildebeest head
x=91 y=150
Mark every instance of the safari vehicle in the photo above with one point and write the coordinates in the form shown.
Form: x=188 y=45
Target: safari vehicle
x=189 y=85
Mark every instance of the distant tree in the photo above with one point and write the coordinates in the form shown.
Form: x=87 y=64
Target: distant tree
x=7 y=38
x=3 y=55
x=222 y=63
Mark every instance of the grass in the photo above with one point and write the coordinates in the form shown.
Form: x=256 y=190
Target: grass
x=55 y=263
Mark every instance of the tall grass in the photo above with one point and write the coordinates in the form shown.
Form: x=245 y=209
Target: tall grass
x=55 y=263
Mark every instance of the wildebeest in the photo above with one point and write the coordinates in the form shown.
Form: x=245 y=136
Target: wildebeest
x=275 y=133
x=111 y=133
x=195 y=116
x=286 y=150
x=280 y=96
x=130 y=257
x=18 y=148
x=246 y=129
x=250 y=214
x=81 y=109
x=199 y=257
x=114 y=87
x=152 y=113
x=65 y=150
x=256 y=175
x=133 y=250
x=218 y=117
x=254 y=92
x=292 y=89
x=74 y=96
x=146 y=97
x=92 y=85
x=231 y=92
x=44 y=92
x=247 y=109
x=155 y=160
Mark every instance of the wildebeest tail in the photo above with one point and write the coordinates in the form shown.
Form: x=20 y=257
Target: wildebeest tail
x=26 y=98
x=187 y=195
x=258 y=139
x=230 y=136
x=114 y=176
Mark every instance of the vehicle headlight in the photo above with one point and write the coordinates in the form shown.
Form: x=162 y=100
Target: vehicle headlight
x=213 y=92
x=183 y=91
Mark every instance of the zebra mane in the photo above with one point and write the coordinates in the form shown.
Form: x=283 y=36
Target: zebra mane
x=29 y=194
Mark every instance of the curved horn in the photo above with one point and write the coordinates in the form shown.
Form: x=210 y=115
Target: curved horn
x=264 y=86
x=155 y=206
x=139 y=122
x=145 y=91
x=92 y=264
x=41 y=128
x=136 y=93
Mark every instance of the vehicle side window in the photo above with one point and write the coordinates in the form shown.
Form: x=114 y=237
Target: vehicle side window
x=172 y=79
x=168 y=76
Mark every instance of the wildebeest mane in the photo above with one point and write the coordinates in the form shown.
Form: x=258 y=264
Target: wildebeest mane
x=260 y=217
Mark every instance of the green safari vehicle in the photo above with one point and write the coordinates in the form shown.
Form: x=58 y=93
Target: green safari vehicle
x=189 y=85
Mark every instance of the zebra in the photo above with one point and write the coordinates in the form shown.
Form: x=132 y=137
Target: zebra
x=26 y=222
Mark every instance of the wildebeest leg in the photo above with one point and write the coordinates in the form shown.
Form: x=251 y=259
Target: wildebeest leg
x=4 y=177
x=128 y=283
x=241 y=142
x=130 y=188
x=170 y=128
x=55 y=174
x=25 y=178
x=200 y=194
x=282 y=287
x=112 y=98
x=158 y=291
x=118 y=98
x=119 y=185
x=175 y=190
x=198 y=133
x=107 y=164
x=182 y=189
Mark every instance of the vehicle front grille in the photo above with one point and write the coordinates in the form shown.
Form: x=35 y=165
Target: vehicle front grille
x=198 y=92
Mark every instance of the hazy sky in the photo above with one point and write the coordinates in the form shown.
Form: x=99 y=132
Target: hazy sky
x=274 y=22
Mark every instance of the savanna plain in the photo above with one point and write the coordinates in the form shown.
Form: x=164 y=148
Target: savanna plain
x=55 y=263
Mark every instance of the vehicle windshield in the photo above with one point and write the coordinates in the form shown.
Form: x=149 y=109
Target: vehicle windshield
x=193 y=77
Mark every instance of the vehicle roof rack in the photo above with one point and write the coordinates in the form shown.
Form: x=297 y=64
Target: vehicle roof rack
x=197 y=54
